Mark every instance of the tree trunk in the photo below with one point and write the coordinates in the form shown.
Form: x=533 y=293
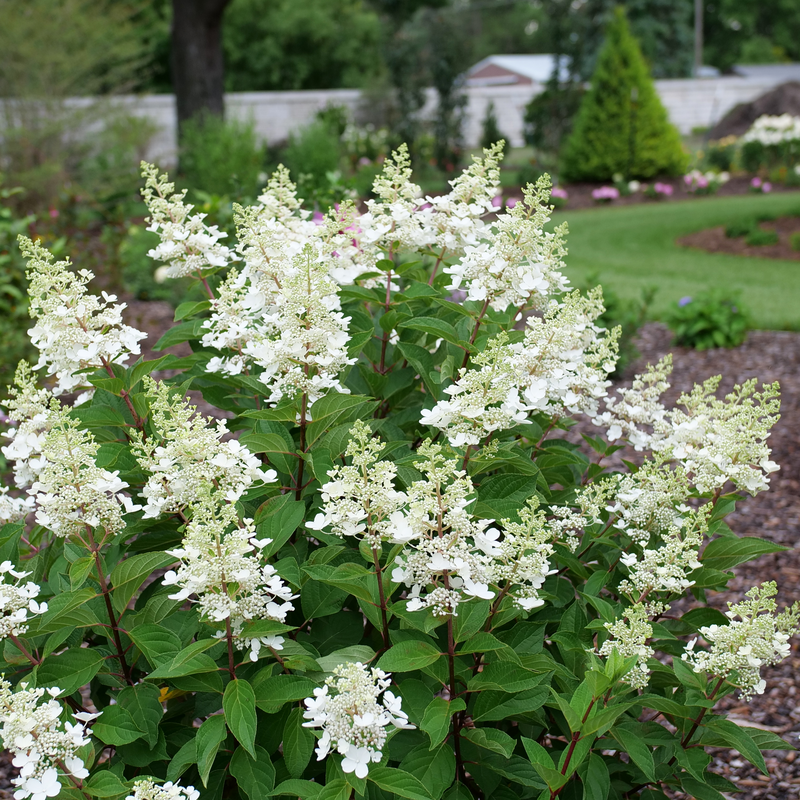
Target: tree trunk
x=197 y=65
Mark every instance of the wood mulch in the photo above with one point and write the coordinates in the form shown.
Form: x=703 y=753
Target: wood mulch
x=714 y=240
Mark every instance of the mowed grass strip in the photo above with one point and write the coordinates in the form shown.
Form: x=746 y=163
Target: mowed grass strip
x=633 y=247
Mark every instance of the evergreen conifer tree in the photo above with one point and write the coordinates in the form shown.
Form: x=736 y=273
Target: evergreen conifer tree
x=621 y=126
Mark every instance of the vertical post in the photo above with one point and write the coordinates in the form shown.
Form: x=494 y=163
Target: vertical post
x=632 y=131
x=698 y=37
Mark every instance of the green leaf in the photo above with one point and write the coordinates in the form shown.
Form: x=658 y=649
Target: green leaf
x=70 y=670
x=298 y=743
x=306 y=790
x=408 y=656
x=491 y=739
x=144 y=704
x=210 y=735
x=494 y=706
x=189 y=661
x=631 y=742
x=399 y=783
x=727 y=552
x=543 y=764
x=105 y=784
x=698 y=790
x=354 y=653
x=278 y=519
x=79 y=571
x=274 y=691
x=595 y=778
x=116 y=726
x=739 y=739
x=159 y=644
x=436 y=327
x=239 y=705
x=255 y=775
x=182 y=760
x=503 y=676
x=61 y=611
x=144 y=368
x=179 y=334
x=435 y=769
x=130 y=574
x=437 y=717
x=190 y=308
x=422 y=361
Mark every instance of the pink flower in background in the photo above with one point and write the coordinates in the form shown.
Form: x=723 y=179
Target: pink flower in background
x=511 y=202
x=766 y=187
x=364 y=161
x=54 y=213
x=662 y=188
x=497 y=202
x=318 y=216
x=557 y=191
x=756 y=182
x=605 y=194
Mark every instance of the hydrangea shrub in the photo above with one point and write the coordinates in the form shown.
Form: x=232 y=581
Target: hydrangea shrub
x=378 y=563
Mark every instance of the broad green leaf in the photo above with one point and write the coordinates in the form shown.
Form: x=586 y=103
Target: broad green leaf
x=116 y=726
x=435 y=769
x=60 y=610
x=239 y=705
x=298 y=743
x=144 y=704
x=595 y=778
x=437 y=328
x=106 y=784
x=399 y=783
x=128 y=576
x=210 y=735
x=493 y=706
x=158 y=644
x=278 y=519
x=437 y=718
x=727 y=552
x=256 y=775
x=189 y=661
x=408 y=656
x=69 y=670
x=355 y=653
x=491 y=739
x=740 y=740
x=631 y=742
x=306 y=790
x=182 y=760
x=272 y=692
x=698 y=790
x=503 y=676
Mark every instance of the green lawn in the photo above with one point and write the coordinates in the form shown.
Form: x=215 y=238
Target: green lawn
x=633 y=247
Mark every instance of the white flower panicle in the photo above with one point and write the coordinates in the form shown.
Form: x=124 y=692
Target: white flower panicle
x=17 y=601
x=560 y=366
x=74 y=331
x=774 y=130
x=715 y=440
x=186 y=458
x=149 y=790
x=14 y=509
x=44 y=745
x=629 y=636
x=758 y=638
x=517 y=262
x=188 y=246
x=446 y=562
x=353 y=709
x=221 y=565
x=457 y=218
x=360 y=499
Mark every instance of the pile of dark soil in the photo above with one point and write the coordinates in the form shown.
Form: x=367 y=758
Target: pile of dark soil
x=714 y=240
x=783 y=99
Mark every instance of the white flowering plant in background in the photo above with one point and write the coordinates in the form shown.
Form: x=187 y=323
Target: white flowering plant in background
x=352 y=545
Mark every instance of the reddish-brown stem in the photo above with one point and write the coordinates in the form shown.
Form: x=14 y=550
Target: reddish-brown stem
x=696 y=724
x=436 y=266
x=301 y=465
x=576 y=737
x=209 y=291
x=385 y=340
x=138 y=421
x=34 y=661
x=384 y=617
x=231 y=659
x=475 y=332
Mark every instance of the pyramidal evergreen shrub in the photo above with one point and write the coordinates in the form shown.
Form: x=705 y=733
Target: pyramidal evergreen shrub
x=621 y=126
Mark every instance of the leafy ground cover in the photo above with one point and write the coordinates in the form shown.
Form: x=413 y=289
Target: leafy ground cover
x=635 y=247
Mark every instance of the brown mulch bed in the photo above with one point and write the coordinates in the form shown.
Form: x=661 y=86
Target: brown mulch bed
x=714 y=240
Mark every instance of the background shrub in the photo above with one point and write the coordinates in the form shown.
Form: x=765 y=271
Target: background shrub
x=709 y=319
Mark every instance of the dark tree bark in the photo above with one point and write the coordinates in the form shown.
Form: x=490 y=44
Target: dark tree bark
x=197 y=65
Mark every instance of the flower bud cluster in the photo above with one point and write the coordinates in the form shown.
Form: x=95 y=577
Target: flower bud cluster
x=221 y=565
x=353 y=709
x=17 y=601
x=517 y=262
x=360 y=499
x=186 y=457
x=14 y=509
x=560 y=366
x=44 y=745
x=715 y=440
x=628 y=636
x=74 y=331
x=149 y=790
x=188 y=246
x=759 y=638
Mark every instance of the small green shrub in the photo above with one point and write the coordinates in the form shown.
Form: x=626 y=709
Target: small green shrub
x=760 y=238
x=794 y=241
x=491 y=127
x=530 y=172
x=720 y=154
x=223 y=157
x=740 y=227
x=709 y=319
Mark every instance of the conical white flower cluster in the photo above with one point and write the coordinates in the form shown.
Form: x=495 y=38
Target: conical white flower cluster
x=74 y=331
x=353 y=709
x=17 y=601
x=222 y=567
x=186 y=458
x=188 y=246
x=44 y=745
x=759 y=638
x=560 y=366
x=628 y=636
x=149 y=790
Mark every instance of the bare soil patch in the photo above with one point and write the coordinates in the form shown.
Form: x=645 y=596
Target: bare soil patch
x=714 y=240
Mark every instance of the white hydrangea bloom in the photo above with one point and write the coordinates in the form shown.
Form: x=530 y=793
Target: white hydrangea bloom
x=186 y=457
x=221 y=566
x=560 y=366
x=44 y=745
x=446 y=562
x=149 y=790
x=759 y=638
x=715 y=440
x=517 y=262
x=14 y=509
x=17 y=601
x=360 y=499
x=74 y=331
x=188 y=246
x=628 y=636
x=353 y=709
x=457 y=219
x=772 y=130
